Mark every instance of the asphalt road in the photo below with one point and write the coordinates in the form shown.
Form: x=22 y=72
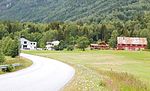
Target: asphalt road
x=44 y=75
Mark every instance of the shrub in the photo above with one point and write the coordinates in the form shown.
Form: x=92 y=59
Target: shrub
x=70 y=48
x=61 y=46
x=10 y=68
x=58 y=48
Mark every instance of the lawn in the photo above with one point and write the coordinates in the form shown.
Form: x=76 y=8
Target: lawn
x=23 y=61
x=105 y=70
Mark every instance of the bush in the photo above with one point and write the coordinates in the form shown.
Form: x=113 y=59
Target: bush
x=58 y=48
x=70 y=48
x=10 y=68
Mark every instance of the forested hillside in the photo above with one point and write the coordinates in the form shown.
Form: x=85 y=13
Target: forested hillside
x=72 y=21
x=66 y=10
x=70 y=32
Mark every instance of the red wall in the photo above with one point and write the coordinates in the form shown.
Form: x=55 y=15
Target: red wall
x=130 y=47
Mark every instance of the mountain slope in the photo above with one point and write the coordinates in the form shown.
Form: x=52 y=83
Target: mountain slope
x=64 y=10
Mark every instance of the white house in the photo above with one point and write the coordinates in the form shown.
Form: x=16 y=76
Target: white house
x=28 y=45
x=50 y=45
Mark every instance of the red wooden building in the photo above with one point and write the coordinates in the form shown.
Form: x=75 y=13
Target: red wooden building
x=100 y=46
x=131 y=43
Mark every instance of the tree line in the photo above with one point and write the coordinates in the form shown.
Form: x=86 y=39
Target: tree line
x=72 y=33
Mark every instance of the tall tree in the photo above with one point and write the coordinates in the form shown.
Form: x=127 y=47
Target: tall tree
x=3 y=31
x=83 y=43
x=7 y=45
x=146 y=33
x=113 y=39
x=15 y=48
x=2 y=56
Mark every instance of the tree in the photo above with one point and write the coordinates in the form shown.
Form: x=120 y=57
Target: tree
x=71 y=40
x=7 y=45
x=113 y=39
x=103 y=32
x=146 y=33
x=3 y=31
x=11 y=47
x=15 y=48
x=48 y=36
x=61 y=46
x=125 y=32
x=82 y=43
x=2 y=56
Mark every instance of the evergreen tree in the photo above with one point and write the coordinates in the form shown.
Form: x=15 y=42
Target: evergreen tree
x=113 y=39
x=3 y=31
x=125 y=32
x=7 y=46
x=15 y=48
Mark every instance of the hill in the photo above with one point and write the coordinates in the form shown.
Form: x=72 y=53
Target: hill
x=66 y=10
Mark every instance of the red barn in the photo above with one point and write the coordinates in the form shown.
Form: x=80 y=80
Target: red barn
x=131 y=43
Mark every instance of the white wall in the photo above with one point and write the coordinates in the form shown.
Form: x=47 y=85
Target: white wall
x=30 y=45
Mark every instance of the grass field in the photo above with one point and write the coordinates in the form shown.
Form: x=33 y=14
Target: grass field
x=24 y=62
x=105 y=70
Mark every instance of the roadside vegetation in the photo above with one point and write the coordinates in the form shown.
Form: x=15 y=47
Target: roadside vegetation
x=19 y=60
x=105 y=70
x=9 y=56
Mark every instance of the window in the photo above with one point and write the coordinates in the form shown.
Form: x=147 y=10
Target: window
x=25 y=42
x=24 y=46
x=34 y=43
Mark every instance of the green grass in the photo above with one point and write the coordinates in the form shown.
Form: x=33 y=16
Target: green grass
x=105 y=70
x=23 y=61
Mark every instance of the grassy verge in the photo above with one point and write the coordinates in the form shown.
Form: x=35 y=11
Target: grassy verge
x=25 y=63
x=105 y=70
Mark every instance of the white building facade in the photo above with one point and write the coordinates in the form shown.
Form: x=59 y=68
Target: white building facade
x=28 y=45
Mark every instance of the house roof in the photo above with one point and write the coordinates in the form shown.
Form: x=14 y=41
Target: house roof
x=132 y=40
x=94 y=45
x=53 y=42
x=24 y=39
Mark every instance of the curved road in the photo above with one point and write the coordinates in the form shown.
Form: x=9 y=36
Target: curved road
x=44 y=75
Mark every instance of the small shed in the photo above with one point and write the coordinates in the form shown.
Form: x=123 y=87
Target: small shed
x=131 y=43
x=100 y=46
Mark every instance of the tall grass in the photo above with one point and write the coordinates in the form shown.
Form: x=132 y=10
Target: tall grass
x=122 y=81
